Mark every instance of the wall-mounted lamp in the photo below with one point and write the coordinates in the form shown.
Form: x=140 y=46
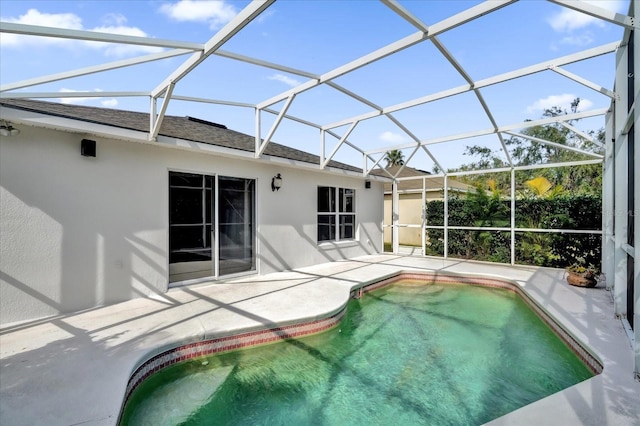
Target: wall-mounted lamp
x=276 y=182
x=6 y=129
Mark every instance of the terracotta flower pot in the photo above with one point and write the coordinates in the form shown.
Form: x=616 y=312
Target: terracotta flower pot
x=584 y=279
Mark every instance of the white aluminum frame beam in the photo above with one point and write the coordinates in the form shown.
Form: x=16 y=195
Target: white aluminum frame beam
x=338 y=145
x=591 y=85
x=503 y=129
x=522 y=72
x=246 y=15
x=582 y=134
x=598 y=12
x=157 y=121
x=36 y=30
x=94 y=69
x=260 y=147
x=445 y=25
x=396 y=7
x=555 y=144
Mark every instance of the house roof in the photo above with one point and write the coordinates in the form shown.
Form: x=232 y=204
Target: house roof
x=433 y=182
x=186 y=128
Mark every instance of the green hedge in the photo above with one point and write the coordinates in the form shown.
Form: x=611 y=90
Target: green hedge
x=582 y=212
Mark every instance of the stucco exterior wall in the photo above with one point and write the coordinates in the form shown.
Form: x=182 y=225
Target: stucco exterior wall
x=78 y=232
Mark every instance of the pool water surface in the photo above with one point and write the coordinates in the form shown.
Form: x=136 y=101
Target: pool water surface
x=408 y=354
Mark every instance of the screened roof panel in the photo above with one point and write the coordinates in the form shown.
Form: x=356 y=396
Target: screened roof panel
x=400 y=71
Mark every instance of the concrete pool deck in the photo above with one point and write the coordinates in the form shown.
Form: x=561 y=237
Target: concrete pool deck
x=73 y=369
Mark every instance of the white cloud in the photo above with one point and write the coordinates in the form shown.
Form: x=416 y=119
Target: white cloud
x=34 y=17
x=78 y=100
x=391 y=137
x=121 y=50
x=563 y=101
x=115 y=25
x=568 y=20
x=114 y=19
x=215 y=13
x=578 y=40
x=110 y=103
x=284 y=79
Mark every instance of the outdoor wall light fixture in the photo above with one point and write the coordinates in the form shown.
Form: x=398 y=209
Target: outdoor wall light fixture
x=6 y=129
x=276 y=182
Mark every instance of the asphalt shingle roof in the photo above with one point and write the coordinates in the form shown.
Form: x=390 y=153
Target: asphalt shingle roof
x=172 y=126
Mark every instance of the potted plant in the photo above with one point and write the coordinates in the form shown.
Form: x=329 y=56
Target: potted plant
x=583 y=275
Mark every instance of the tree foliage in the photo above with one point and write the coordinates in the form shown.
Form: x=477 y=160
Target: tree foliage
x=585 y=179
x=394 y=157
x=531 y=248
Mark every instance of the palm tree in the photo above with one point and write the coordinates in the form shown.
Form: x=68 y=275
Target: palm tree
x=394 y=157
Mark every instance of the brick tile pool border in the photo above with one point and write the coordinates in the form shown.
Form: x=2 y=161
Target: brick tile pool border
x=273 y=335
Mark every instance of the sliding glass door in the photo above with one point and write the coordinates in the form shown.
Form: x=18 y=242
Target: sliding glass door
x=236 y=225
x=211 y=232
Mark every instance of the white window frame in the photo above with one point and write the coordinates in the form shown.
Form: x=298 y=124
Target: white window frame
x=337 y=209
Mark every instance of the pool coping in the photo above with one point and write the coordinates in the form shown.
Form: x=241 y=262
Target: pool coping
x=74 y=368
x=249 y=339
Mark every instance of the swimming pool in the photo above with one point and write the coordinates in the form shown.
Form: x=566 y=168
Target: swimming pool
x=410 y=353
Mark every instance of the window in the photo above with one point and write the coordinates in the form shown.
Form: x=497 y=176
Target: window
x=336 y=214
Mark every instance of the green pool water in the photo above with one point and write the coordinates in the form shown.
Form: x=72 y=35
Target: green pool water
x=408 y=354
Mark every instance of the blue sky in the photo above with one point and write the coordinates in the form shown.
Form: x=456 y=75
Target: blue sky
x=318 y=36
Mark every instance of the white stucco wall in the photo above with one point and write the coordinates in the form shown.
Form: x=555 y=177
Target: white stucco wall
x=78 y=232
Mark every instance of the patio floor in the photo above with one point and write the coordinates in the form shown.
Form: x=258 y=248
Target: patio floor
x=73 y=369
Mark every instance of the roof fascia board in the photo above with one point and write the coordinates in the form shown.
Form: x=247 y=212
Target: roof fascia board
x=246 y=155
x=94 y=69
x=50 y=122
x=63 y=95
x=246 y=15
x=36 y=30
x=598 y=12
x=53 y=122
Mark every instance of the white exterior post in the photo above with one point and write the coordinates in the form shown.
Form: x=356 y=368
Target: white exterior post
x=446 y=216
x=621 y=179
x=513 y=216
x=636 y=196
x=395 y=214
x=608 y=212
x=423 y=229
